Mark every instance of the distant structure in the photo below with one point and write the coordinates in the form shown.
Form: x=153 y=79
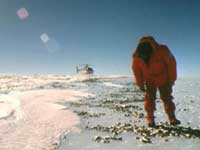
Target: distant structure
x=84 y=69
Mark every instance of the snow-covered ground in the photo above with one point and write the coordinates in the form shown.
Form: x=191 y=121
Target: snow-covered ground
x=31 y=114
x=37 y=111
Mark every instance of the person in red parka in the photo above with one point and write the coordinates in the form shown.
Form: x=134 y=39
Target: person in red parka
x=154 y=67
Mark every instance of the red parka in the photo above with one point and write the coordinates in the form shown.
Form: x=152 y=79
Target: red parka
x=161 y=68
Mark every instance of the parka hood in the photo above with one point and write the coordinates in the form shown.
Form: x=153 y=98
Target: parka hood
x=150 y=40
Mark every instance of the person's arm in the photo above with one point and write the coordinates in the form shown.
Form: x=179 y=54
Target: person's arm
x=170 y=62
x=137 y=73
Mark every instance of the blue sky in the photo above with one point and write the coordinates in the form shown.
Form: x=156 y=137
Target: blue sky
x=99 y=32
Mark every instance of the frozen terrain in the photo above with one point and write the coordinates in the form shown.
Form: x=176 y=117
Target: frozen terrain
x=41 y=112
x=31 y=114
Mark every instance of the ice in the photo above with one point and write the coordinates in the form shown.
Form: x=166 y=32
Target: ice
x=44 y=120
x=36 y=112
x=83 y=78
x=10 y=107
x=33 y=118
x=113 y=85
x=5 y=110
x=186 y=94
x=24 y=82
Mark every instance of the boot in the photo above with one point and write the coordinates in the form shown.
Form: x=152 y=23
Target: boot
x=172 y=119
x=175 y=122
x=151 y=122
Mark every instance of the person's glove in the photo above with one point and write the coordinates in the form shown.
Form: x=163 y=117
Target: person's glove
x=171 y=83
x=142 y=88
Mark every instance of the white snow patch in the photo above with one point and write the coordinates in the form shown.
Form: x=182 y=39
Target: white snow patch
x=113 y=85
x=10 y=106
x=44 y=120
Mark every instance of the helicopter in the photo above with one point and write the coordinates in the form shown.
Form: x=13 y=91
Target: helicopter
x=84 y=69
